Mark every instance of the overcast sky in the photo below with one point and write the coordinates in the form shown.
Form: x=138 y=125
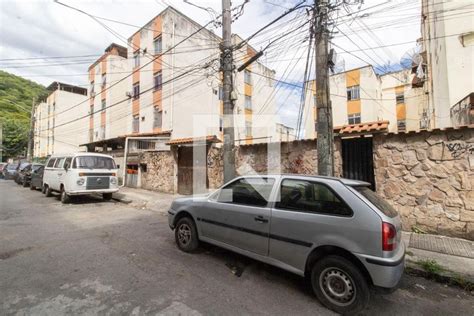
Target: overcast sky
x=38 y=28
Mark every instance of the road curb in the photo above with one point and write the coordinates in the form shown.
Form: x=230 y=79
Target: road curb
x=446 y=276
x=122 y=200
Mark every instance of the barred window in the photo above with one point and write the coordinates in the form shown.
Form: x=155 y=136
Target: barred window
x=353 y=93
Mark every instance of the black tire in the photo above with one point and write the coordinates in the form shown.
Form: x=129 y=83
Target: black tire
x=107 y=196
x=335 y=276
x=43 y=189
x=64 y=197
x=186 y=235
x=48 y=192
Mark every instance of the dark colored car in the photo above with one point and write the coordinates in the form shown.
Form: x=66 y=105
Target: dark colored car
x=9 y=171
x=34 y=176
x=20 y=172
x=2 y=167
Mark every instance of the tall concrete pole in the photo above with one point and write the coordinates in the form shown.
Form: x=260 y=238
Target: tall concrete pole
x=227 y=65
x=29 y=155
x=325 y=137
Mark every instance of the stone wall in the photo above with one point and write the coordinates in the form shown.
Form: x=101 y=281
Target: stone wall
x=429 y=178
x=161 y=171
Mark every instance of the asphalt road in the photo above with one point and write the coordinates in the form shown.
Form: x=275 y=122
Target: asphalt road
x=96 y=257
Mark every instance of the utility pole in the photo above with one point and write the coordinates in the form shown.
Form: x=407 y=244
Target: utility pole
x=227 y=68
x=325 y=137
x=29 y=155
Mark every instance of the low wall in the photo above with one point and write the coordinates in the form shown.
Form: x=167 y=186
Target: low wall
x=429 y=178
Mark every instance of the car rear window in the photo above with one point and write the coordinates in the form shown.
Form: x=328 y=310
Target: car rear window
x=377 y=200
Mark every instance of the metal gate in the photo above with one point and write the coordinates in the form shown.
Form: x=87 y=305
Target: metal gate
x=189 y=167
x=358 y=160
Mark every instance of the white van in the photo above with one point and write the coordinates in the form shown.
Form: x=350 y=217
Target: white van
x=80 y=174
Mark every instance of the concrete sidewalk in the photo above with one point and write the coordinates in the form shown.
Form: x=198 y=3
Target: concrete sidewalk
x=441 y=257
x=145 y=199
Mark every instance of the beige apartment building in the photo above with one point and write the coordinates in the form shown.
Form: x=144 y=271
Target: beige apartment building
x=448 y=50
x=109 y=103
x=58 y=127
x=360 y=96
x=176 y=90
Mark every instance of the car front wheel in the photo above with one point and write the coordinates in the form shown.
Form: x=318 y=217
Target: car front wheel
x=47 y=191
x=64 y=196
x=186 y=235
x=340 y=285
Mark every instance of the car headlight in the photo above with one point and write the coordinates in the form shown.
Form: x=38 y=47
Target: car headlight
x=113 y=180
x=80 y=181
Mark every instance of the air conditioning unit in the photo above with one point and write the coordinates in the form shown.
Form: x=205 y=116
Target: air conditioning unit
x=92 y=94
x=129 y=94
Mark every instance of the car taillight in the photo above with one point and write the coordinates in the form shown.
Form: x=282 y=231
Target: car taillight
x=389 y=236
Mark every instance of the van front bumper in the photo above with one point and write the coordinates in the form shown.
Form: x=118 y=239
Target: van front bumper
x=85 y=192
x=385 y=272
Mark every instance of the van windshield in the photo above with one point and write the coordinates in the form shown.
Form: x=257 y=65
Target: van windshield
x=94 y=162
x=377 y=200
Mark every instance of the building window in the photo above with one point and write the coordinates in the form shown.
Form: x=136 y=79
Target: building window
x=92 y=109
x=221 y=124
x=136 y=90
x=401 y=125
x=92 y=88
x=104 y=80
x=158 y=80
x=158 y=118
x=103 y=106
x=102 y=132
x=247 y=77
x=353 y=93
x=354 y=118
x=157 y=44
x=136 y=124
x=248 y=102
x=400 y=98
x=248 y=129
x=136 y=59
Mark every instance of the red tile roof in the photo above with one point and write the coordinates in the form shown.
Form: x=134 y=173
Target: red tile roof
x=380 y=126
x=190 y=140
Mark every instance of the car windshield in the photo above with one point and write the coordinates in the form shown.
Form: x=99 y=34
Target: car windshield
x=94 y=162
x=376 y=200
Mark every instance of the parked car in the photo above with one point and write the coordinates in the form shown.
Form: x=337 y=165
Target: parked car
x=36 y=180
x=10 y=170
x=2 y=167
x=337 y=232
x=80 y=174
x=20 y=172
x=27 y=172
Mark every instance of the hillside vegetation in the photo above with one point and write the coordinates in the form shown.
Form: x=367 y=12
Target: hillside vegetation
x=16 y=97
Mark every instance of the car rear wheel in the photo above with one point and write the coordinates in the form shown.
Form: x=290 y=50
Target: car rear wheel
x=186 y=235
x=339 y=285
x=107 y=196
x=47 y=191
x=64 y=196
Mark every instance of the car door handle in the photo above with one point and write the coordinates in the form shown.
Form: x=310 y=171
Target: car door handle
x=260 y=219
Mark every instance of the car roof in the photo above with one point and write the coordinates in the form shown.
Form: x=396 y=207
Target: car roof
x=81 y=154
x=349 y=182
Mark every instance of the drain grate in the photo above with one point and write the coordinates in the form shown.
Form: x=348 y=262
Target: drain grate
x=450 y=246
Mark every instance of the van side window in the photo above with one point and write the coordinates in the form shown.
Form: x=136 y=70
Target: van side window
x=51 y=163
x=313 y=197
x=59 y=163
x=247 y=191
x=67 y=163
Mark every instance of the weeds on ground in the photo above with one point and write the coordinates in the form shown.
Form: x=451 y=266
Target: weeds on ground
x=430 y=266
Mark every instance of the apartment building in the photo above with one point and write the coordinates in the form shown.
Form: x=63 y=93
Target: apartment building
x=109 y=104
x=177 y=90
x=360 y=96
x=448 y=50
x=57 y=127
x=284 y=133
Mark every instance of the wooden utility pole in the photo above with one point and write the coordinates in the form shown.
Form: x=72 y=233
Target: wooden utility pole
x=31 y=141
x=227 y=68
x=325 y=131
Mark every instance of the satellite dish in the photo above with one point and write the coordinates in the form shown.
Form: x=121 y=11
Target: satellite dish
x=411 y=58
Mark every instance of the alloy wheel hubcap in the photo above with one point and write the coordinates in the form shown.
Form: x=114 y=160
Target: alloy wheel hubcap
x=184 y=234
x=337 y=286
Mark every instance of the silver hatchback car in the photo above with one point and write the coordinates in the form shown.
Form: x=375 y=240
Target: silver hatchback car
x=337 y=232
